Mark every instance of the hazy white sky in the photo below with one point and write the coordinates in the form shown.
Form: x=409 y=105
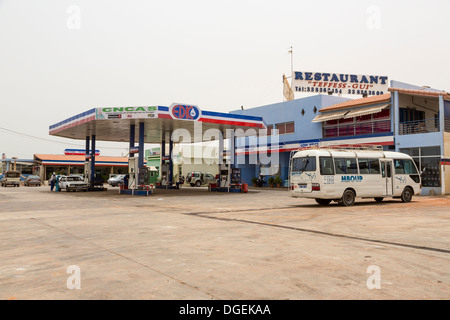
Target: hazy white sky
x=60 y=57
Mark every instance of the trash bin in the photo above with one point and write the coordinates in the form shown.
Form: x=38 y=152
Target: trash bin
x=244 y=187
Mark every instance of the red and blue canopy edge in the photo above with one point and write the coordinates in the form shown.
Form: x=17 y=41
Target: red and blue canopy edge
x=164 y=113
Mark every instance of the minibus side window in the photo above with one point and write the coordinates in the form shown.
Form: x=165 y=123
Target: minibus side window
x=363 y=166
x=326 y=166
x=388 y=169
x=345 y=166
x=369 y=166
x=374 y=166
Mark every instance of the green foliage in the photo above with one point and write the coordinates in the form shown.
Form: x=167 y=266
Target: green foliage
x=277 y=180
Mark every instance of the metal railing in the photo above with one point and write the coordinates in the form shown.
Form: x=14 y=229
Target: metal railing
x=420 y=126
x=356 y=129
x=447 y=125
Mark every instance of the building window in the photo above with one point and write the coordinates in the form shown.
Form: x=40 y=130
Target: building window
x=428 y=161
x=285 y=128
x=269 y=129
x=281 y=128
x=290 y=127
x=362 y=125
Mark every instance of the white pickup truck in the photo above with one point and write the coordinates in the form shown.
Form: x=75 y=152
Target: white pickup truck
x=11 y=178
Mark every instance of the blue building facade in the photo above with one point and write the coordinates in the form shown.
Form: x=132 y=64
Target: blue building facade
x=293 y=120
x=422 y=130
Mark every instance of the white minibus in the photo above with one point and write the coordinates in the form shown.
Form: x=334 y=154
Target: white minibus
x=342 y=175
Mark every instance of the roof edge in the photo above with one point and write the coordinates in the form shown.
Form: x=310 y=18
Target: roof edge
x=423 y=92
x=362 y=102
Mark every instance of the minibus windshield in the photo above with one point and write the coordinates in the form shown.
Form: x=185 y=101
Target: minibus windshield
x=304 y=164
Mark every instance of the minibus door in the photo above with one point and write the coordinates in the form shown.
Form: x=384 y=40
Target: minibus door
x=386 y=172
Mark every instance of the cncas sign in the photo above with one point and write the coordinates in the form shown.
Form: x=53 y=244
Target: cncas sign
x=184 y=112
x=126 y=113
x=129 y=109
x=320 y=82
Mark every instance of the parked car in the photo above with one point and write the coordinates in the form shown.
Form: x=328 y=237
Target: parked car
x=198 y=179
x=11 y=178
x=74 y=183
x=116 y=180
x=32 y=181
x=78 y=175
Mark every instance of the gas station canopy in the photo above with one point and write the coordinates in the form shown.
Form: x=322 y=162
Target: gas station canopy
x=155 y=124
x=114 y=123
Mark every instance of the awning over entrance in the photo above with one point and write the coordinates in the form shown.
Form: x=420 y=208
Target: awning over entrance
x=365 y=111
x=330 y=116
x=345 y=114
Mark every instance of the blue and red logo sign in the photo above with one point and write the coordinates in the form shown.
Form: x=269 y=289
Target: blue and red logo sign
x=185 y=112
x=134 y=150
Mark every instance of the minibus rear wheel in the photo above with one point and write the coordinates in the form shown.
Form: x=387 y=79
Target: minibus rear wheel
x=348 y=198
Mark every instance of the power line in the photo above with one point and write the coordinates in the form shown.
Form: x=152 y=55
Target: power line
x=53 y=141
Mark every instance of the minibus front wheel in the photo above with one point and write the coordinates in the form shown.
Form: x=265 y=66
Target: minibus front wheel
x=407 y=195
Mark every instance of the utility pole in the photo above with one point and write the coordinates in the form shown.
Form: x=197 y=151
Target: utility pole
x=287 y=88
x=291 y=52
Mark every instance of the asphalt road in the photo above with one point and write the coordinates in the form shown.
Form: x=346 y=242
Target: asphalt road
x=193 y=244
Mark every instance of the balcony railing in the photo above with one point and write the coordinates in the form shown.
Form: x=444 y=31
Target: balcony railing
x=420 y=126
x=357 y=129
x=447 y=125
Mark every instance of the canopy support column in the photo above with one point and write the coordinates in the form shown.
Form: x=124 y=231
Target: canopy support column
x=170 y=161
x=132 y=139
x=92 y=161
x=141 y=144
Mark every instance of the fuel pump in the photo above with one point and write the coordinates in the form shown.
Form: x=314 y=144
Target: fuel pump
x=87 y=172
x=144 y=176
x=133 y=173
x=165 y=172
x=225 y=175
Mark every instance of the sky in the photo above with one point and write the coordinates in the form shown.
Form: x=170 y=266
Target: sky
x=59 y=58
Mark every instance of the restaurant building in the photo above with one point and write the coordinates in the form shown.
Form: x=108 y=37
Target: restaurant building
x=407 y=118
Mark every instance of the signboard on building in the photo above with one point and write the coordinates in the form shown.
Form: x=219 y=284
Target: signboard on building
x=126 y=113
x=320 y=82
x=79 y=152
x=134 y=150
x=155 y=151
